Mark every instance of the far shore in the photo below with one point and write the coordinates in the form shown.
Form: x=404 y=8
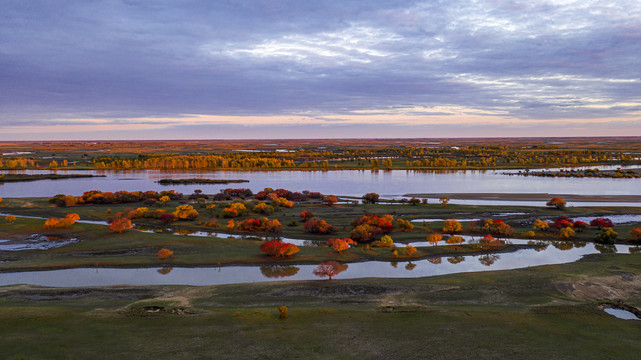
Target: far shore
x=528 y=197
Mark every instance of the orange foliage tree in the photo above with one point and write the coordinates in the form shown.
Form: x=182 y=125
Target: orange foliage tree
x=330 y=200
x=329 y=269
x=10 y=219
x=278 y=248
x=164 y=254
x=120 y=224
x=635 y=235
x=556 y=202
x=434 y=238
x=340 y=244
x=451 y=226
x=62 y=223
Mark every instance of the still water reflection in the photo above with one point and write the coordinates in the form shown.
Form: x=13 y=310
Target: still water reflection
x=248 y=274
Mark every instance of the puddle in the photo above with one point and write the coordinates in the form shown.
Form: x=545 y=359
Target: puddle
x=621 y=314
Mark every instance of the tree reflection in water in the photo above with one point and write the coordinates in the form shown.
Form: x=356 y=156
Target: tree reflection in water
x=165 y=270
x=410 y=266
x=605 y=248
x=435 y=261
x=488 y=259
x=455 y=259
x=279 y=271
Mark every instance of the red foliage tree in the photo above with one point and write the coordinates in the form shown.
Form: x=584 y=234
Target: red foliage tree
x=601 y=222
x=278 y=248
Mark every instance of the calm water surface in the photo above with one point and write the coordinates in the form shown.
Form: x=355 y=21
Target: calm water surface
x=248 y=274
x=348 y=182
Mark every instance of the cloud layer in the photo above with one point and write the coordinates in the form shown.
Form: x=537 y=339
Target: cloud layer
x=176 y=65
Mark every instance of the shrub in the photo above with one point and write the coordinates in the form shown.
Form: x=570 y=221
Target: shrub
x=635 y=235
x=606 y=236
x=566 y=233
x=263 y=208
x=541 y=225
x=185 y=212
x=318 y=226
x=385 y=241
x=601 y=222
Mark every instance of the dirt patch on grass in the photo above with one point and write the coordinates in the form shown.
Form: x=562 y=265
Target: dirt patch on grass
x=615 y=287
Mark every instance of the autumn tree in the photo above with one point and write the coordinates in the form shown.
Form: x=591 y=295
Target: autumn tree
x=306 y=215
x=606 y=236
x=330 y=200
x=434 y=238
x=452 y=226
x=330 y=269
x=566 y=233
x=556 y=202
x=370 y=198
x=340 y=244
x=454 y=240
x=410 y=250
x=10 y=219
x=541 y=225
x=635 y=235
x=404 y=225
x=164 y=254
x=444 y=201
x=385 y=241
x=278 y=248
x=318 y=226
x=120 y=224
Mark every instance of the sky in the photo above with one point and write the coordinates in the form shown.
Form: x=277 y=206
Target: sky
x=245 y=69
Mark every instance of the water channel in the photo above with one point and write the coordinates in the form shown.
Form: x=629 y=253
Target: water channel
x=390 y=184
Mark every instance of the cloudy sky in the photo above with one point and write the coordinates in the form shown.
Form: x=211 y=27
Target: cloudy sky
x=79 y=69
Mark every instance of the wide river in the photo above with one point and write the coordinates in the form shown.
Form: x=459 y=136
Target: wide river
x=390 y=184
